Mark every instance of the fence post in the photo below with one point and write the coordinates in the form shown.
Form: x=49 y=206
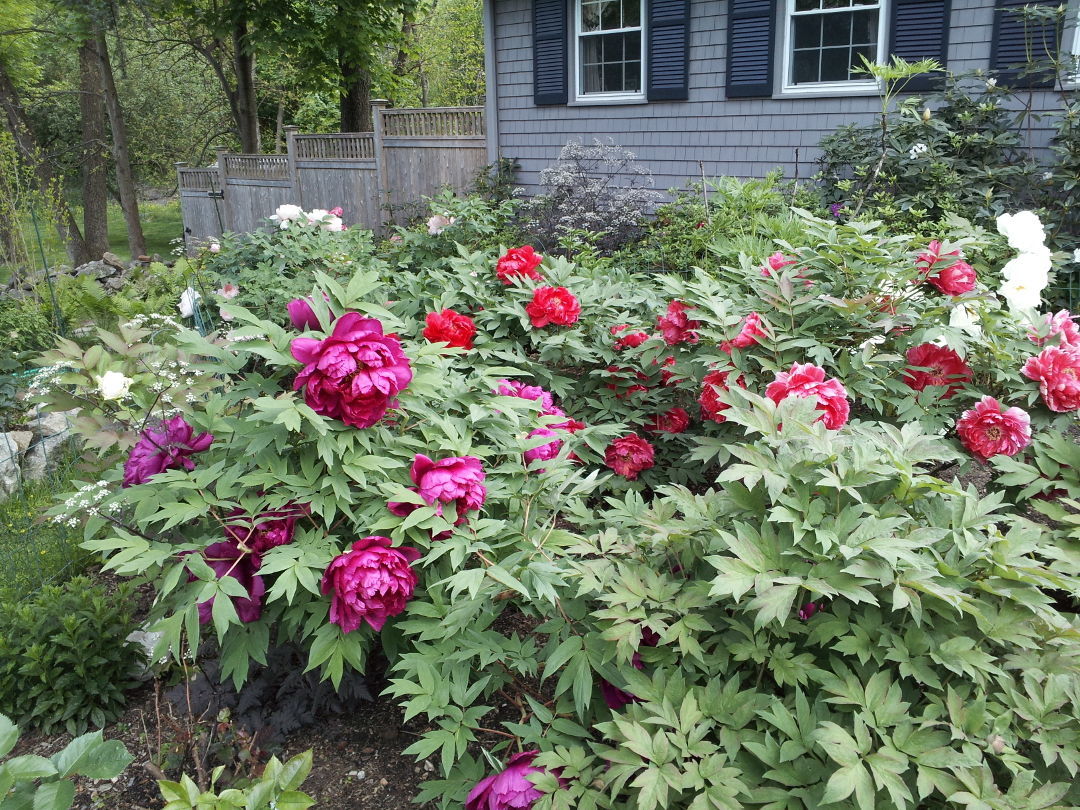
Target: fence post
x=221 y=151
x=290 y=153
x=377 y=107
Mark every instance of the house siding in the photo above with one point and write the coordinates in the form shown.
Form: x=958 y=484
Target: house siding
x=737 y=137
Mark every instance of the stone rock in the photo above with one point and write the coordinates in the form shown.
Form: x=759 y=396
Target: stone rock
x=12 y=447
x=51 y=432
x=115 y=261
x=98 y=270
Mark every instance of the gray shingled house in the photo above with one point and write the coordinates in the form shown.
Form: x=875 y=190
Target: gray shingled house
x=738 y=84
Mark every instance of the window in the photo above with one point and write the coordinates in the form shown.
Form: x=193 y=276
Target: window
x=826 y=41
x=610 y=49
x=1072 y=55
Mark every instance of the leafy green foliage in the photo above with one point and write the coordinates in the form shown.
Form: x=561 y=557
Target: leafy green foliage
x=45 y=783
x=276 y=789
x=64 y=658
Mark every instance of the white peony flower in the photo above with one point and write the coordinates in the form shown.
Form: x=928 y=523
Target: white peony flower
x=114 y=385
x=1031 y=268
x=991 y=84
x=286 y=214
x=1024 y=231
x=333 y=223
x=187 y=302
x=225 y=316
x=1021 y=296
x=966 y=319
x=1076 y=256
x=439 y=223
x=917 y=150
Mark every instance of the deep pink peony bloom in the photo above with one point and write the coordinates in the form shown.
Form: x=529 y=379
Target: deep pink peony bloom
x=808 y=380
x=451 y=328
x=1062 y=326
x=302 y=315
x=676 y=326
x=988 y=430
x=944 y=368
x=777 y=261
x=629 y=455
x=712 y=407
x=354 y=374
x=513 y=388
x=168 y=447
x=1057 y=371
x=627 y=340
x=455 y=480
x=267 y=530
x=544 y=451
x=510 y=789
x=627 y=381
x=616 y=698
x=555 y=305
x=807 y=611
x=748 y=335
x=676 y=420
x=228 y=560
x=946 y=272
x=520 y=262
x=370 y=583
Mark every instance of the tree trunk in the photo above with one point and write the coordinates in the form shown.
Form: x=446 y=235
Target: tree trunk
x=95 y=165
x=125 y=181
x=50 y=186
x=279 y=126
x=355 y=97
x=246 y=101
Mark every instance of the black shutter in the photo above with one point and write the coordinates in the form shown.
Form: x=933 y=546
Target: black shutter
x=549 y=51
x=668 y=31
x=920 y=30
x=750 y=48
x=1010 y=42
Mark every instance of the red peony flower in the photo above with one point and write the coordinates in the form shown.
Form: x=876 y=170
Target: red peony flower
x=668 y=377
x=354 y=374
x=676 y=326
x=777 y=261
x=712 y=407
x=809 y=380
x=369 y=583
x=630 y=340
x=946 y=272
x=451 y=328
x=676 y=420
x=1061 y=326
x=629 y=455
x=987 y=430
x=622 y=386
x=748 y=334
x=519 y=262
x=942 y=367
x=1057 y=371
x=555 y=305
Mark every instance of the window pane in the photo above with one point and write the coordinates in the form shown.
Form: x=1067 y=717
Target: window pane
x=633 y=77
x=631 y=13
x=590 y=16
x=805 y=67
x=611 y=63
x=807 y=5
x=835 y=3
x=610 y=15
x=836 y=29
x=835 y=64
x=856 y=52
x=864 y=28
x=590 y=78
x=613 y=77
x=807 y=32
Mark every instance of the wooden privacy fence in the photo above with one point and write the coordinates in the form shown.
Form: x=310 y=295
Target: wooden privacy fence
x=374 y=176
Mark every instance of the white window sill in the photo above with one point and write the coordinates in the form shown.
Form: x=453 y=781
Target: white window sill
x=828 y=89
x=599 y=100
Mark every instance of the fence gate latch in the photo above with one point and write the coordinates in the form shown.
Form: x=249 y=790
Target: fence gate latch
x=216 y=195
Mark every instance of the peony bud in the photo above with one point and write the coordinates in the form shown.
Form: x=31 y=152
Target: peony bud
x=926 y=114
x=114 y=385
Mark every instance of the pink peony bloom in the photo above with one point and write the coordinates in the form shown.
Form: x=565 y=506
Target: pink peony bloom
x=1057 y=371
x=629 y=455
x=513 y=388
x=675 y=420
x=676 y=326
x=941 y=367
x=748 y=335
x=545 y=451
x=229 y=291
x=229 y=560
x=629 y=340
x=354 y=374
x=712 y=407
x=439 y=223
x=777 y=261
x=807 y=611
x=555 y=305
x=370 y=583
x=168 y=447
x=809 y=380
x=518 y=263
x=1062 y=326
x=457 y=480
x=510 y=789
x=451 y=328
x=302 y=315
x=336 y=211
x=987 y=430
x=946 y=272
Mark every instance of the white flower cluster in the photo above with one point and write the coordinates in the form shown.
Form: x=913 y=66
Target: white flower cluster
x=288 y=215
x=916 y=150
x=87 y=500
x=232 y=337
x=173 y=374
x=152 y=320
x=44 y=380
x=1026 y=275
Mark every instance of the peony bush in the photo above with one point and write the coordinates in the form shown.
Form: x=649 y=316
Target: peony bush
x=699 y=540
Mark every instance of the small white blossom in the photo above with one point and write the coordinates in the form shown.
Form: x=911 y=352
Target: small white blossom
x=1076 y=256
x=1048 y=176
x=991 y=84
x=114 y=385
x=916 y=150
x=215 y=247
x=439 y=223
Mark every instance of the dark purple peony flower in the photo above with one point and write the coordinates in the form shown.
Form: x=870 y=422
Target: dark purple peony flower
x=510 y=789
x=166 y=448
x=370 y=583
x=807 y=611
x=616 y=698
x=228 y=560
x=354 y=374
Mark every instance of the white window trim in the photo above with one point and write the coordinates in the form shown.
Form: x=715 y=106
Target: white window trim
x=1070 y=40
x=579 y=96
x=868 y=86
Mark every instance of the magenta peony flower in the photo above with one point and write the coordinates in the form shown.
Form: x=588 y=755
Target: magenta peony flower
x=513 y=388
x=370 y=583
x=544 y=451
x=749 y=332
x=676 y=326
x=616 y=698
x=166 y=448
x=629 y=455
x=807 y=611
x=930 y=365
x=267 y=530
x=457 y=479
x=988 y=430
x=354 y=374
x=302 y=315
x=1061 y=326
x=675 y=420
x=1057 y=371
x=809 y=380
x=228 y=560
x=509 y=789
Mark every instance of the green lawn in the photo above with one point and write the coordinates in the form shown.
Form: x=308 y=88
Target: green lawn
x=161 y=223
